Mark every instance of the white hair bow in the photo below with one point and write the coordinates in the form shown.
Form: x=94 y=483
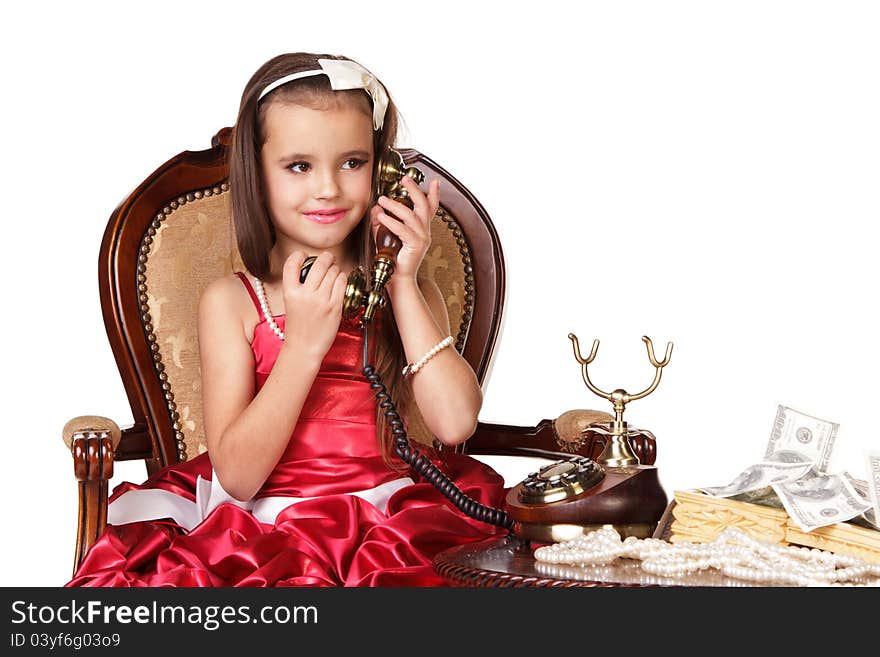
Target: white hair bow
x=344 y=74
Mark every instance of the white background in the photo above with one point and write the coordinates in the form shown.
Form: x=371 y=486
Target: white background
x=704 y=173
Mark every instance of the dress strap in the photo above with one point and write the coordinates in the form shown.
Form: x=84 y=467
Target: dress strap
x=252 y=292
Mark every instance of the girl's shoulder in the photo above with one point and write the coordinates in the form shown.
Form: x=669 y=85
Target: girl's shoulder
x=229 y=299
x=228 y=289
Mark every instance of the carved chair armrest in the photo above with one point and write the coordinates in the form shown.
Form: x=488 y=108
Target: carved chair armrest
x=554 y=439
x=92 y=441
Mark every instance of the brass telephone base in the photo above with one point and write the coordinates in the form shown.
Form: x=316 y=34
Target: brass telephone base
x=628 y=497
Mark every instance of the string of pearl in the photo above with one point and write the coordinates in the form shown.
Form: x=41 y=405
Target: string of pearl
x=733 y=553
x=264 y=306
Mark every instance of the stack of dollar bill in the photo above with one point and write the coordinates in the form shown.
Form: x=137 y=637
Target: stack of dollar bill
x=794 y=475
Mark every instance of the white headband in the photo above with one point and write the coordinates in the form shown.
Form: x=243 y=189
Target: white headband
x=344 y=74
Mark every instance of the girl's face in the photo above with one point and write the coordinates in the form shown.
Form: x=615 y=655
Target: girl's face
x=317 y=171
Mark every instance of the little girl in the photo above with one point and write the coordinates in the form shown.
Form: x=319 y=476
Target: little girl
x=300 y=485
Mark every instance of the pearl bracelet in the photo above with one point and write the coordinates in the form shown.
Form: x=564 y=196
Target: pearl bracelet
x=411 y=369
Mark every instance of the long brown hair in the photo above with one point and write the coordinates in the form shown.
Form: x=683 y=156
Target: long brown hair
x=255 y=233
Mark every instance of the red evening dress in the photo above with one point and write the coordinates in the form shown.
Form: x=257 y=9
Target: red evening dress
x=332 y=513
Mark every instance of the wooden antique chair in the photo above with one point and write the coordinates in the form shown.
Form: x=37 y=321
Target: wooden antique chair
x=171 y=236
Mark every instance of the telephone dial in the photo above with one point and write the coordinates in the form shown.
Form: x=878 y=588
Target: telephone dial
x=559 y=501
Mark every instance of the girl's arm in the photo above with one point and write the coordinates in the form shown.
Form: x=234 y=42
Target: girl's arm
x=446 y=388
x=246 y=434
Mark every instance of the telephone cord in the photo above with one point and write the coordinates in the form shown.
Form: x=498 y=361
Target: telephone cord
x=422 y=464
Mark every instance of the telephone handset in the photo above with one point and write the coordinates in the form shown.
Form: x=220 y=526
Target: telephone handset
x=387 y=176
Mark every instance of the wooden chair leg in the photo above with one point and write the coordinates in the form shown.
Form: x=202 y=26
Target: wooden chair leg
x=93 y=467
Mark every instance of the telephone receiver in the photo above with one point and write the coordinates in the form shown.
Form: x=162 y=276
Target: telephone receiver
x=388 y=180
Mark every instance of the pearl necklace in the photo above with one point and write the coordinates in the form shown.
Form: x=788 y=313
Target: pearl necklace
x=733 y=553
x=264 y=306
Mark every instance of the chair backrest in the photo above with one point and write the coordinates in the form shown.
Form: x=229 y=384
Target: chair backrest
x=173 y=235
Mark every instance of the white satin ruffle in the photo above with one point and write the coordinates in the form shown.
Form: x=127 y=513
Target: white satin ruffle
x=155 y=503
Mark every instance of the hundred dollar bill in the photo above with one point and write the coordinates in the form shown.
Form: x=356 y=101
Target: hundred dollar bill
x=868 y=518
x=815 y=500
x=804 y=434
x=874 y=487
x=762 y=497
x=758 y=476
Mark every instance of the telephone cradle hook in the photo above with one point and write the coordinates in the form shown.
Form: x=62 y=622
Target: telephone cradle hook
x=617 y=450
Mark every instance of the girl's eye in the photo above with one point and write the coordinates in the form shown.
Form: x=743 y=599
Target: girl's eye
x=295 y=167
x=354 y=163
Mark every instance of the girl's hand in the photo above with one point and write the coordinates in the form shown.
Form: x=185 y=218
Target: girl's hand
x=314 y=308
x=412 y=227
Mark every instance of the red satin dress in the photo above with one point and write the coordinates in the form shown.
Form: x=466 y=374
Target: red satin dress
x=332 y=513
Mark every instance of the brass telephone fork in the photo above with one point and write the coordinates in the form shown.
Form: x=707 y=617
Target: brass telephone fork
x=617 y=452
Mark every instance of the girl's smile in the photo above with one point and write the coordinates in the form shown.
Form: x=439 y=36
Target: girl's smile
x=326 y=216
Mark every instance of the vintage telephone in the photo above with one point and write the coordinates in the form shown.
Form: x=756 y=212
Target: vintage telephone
x=561 y=500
